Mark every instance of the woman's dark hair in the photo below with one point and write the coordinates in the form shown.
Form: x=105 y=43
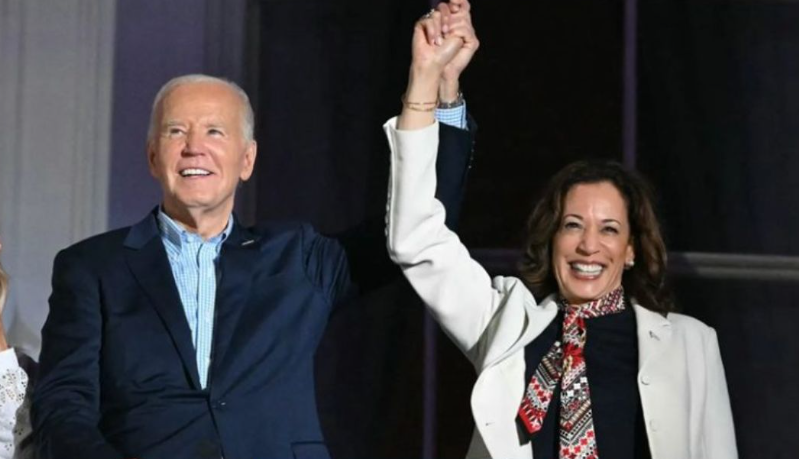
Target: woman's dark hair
x=646 y=280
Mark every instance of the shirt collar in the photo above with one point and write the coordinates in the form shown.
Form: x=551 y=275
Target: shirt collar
x=176 y=234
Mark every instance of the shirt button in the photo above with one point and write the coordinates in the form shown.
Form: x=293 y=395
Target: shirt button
x=653 y=426
x=645 y=380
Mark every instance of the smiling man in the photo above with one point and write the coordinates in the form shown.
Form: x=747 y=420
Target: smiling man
x=188 y=335
x=200 y=146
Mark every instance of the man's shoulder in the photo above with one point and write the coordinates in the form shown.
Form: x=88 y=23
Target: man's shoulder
x=281 y=230
x=277 y=236
x=100 y=245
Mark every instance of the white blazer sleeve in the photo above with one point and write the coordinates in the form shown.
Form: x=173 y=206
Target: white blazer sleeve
x=456 y=288
x=719 y=431
x=13 y=383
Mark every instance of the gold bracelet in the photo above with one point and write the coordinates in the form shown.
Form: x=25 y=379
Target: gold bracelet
x=419 y=106
x=417 y=109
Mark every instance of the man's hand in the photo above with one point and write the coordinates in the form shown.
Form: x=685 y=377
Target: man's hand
x=431 y=52
x=456 y=20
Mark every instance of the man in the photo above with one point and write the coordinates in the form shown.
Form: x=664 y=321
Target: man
x=187 y=335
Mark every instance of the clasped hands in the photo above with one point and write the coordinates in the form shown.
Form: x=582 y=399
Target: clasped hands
x=443 y=44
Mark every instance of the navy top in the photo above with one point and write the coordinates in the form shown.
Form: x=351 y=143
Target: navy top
x=611 y=356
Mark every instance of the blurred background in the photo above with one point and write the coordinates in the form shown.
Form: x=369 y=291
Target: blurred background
x=702 y=96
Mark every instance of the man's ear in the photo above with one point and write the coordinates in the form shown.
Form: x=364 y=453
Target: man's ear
x=249 y=160
x=150 y=150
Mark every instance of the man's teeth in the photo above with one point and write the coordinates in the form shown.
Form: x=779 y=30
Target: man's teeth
x=193 y=172
x=587 y=268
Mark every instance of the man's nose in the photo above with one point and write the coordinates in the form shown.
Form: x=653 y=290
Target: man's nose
x=193 y=143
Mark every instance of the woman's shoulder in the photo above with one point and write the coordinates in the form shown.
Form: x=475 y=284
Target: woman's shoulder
x=514 y=289
x=689 y=323
x=680 y=323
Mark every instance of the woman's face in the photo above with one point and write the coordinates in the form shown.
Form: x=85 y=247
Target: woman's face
x=592 y=243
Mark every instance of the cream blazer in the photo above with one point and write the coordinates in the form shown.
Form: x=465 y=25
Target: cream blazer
x=680 y=378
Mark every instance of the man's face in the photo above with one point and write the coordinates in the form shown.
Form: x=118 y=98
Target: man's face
x=199 y=152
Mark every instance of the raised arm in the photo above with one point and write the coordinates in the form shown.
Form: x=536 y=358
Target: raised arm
x=364 y=263
x=458 y=291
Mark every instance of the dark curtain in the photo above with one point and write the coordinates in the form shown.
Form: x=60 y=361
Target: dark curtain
x=719 y=116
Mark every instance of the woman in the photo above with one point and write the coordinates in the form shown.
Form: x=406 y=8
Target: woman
x=581 y=356
x=15 y=439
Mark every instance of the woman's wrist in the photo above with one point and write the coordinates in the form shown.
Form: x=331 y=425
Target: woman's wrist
x=420 y=98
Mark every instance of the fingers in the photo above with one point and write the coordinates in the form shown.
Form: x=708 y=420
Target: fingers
x=452 y=19
x=431 y=24
x=457 y=6
x=462 y=28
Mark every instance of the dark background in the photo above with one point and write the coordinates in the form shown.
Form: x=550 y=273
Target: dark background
x=718 y=112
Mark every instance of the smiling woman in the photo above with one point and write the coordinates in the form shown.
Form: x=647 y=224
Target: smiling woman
x=581 y=357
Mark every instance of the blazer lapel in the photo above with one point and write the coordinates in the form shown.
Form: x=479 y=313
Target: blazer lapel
x=536 y=318
x=237 y=262
x=148 y=261
x=654 y=335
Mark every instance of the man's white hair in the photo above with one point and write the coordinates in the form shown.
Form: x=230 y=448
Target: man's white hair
x=247 y=115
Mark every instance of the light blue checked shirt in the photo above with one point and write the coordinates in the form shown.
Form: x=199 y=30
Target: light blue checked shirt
x=193 y=263
x=455 y=117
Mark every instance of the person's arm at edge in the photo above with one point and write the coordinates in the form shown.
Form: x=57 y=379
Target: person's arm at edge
x=15 y=382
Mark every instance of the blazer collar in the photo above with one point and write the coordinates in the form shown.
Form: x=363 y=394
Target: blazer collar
x=149 y=264
x=537 y=317
x=654 y=331
x=142 y=232
x=147 y=260
x=654 y=334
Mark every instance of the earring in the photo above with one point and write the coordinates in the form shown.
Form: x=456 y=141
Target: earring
x=629 y=264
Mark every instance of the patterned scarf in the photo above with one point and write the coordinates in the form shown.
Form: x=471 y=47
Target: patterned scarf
x=565 y=364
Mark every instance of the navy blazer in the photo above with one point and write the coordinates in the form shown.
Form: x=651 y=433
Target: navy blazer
x=118 y=377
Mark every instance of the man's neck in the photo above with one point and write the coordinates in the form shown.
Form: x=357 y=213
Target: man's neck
x=205 y=224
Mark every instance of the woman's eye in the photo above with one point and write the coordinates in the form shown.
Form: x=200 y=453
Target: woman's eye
x=611 y=230
x=571 y=225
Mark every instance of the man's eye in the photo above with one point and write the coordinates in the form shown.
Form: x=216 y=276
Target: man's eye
x=174 y=132
x=214 y=131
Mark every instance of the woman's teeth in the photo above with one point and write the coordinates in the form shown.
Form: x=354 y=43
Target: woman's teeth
x=590 y=269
